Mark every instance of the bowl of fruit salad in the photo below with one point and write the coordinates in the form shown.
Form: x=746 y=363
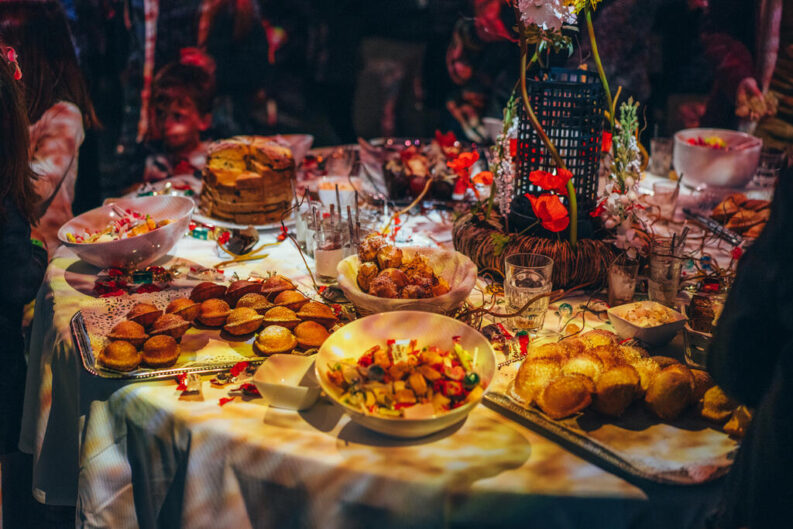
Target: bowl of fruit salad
x=716 y=157
x=128 y=232
x=406 y=374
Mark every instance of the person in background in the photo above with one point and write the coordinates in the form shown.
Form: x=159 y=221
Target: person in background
x=24 y=259
x=57 y=100
x=751 y=47
x=182 y=95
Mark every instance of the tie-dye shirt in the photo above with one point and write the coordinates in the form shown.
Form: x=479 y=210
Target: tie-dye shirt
x=55 y=141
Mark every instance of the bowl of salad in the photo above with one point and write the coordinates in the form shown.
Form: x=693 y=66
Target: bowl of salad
x=128 y=232
x=406 y=374
x=716 y=157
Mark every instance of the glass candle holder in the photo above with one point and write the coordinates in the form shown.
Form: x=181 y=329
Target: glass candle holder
x=331 y=245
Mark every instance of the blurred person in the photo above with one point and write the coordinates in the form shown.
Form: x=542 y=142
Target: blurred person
x=181 y=108
x=24 y=255
x=482 y=60
x=57 y=101
x=751 y=358
x=751 y=46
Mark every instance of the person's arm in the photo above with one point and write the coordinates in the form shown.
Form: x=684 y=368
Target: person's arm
x=55 y=140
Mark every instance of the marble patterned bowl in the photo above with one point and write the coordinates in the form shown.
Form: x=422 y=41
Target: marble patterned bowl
x=134 y=252
x=352 y=341
x=457 y=269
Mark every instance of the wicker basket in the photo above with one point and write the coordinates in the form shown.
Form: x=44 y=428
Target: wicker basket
x=587 y=262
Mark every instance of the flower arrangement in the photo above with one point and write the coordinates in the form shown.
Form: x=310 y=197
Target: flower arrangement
x=540 y=24
x=618 y=207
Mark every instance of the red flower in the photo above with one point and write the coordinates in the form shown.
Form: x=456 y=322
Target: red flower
x=484 y=178
x=462 y=164
x=550 y=210
x=606 y=144
x=284 y=232
x=445 y=140
x=238 y=368
x=224 y=237
x=598 y=210
x=551 y=182
x=736 y=253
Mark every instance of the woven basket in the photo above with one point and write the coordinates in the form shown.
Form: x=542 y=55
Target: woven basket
x=588 y=261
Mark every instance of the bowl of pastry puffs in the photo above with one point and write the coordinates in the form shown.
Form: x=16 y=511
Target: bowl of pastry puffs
x=382 y=277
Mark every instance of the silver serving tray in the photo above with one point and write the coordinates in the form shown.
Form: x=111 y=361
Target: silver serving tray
x=692 y=472
x=83 y=343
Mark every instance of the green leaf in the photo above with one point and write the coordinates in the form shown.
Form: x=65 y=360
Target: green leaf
x=500 y=241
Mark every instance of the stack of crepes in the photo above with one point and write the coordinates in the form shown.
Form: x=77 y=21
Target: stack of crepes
x=743 y=215
x=594 y=371
x=247 y=180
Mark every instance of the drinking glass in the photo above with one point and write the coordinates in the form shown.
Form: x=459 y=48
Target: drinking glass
x=772 y=161
x=622 y=281
x=527 y=275
x=660 y=156
x=665 y=197
x=664 y=281
x=331 y=245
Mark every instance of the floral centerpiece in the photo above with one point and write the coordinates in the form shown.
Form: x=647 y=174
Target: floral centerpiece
x=540 y=26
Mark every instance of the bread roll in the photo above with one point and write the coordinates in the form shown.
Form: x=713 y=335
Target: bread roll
x=669 y=392
x=533 y=376
x=616 y=389
x=565 y=396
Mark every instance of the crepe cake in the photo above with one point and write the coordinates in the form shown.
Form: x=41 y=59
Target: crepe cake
x=247 y=180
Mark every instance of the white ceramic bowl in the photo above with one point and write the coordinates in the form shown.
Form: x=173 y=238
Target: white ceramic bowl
x=134 y=252
x=658 y=335
x=287 y=381
x=457 y=269
x=705 y=166
x=352 y=340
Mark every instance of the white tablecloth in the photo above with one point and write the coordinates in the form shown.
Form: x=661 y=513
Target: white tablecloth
x=144 y=458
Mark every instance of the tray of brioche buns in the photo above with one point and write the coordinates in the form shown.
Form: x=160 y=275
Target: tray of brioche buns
x=651 y=416
x=742 y=215
x=207 y=328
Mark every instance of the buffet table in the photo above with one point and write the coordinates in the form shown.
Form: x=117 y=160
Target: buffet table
x=135 y=455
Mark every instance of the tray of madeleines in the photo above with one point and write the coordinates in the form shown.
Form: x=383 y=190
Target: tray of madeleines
x=203 y=329
x=650 y=416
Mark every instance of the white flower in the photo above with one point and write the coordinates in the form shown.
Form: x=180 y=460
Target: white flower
x=610 y=223
x=546 y=14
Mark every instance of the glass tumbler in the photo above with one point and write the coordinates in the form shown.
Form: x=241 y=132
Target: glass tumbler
x=622 y=281
x=664 y=281
x=660 y=156
x=528 y=275
x=665 y=195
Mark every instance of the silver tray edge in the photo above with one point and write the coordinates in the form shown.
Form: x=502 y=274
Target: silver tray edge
x=83 y=344
x=598 y=450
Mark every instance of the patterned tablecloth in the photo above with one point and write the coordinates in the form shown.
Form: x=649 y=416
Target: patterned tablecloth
x=135 y=455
